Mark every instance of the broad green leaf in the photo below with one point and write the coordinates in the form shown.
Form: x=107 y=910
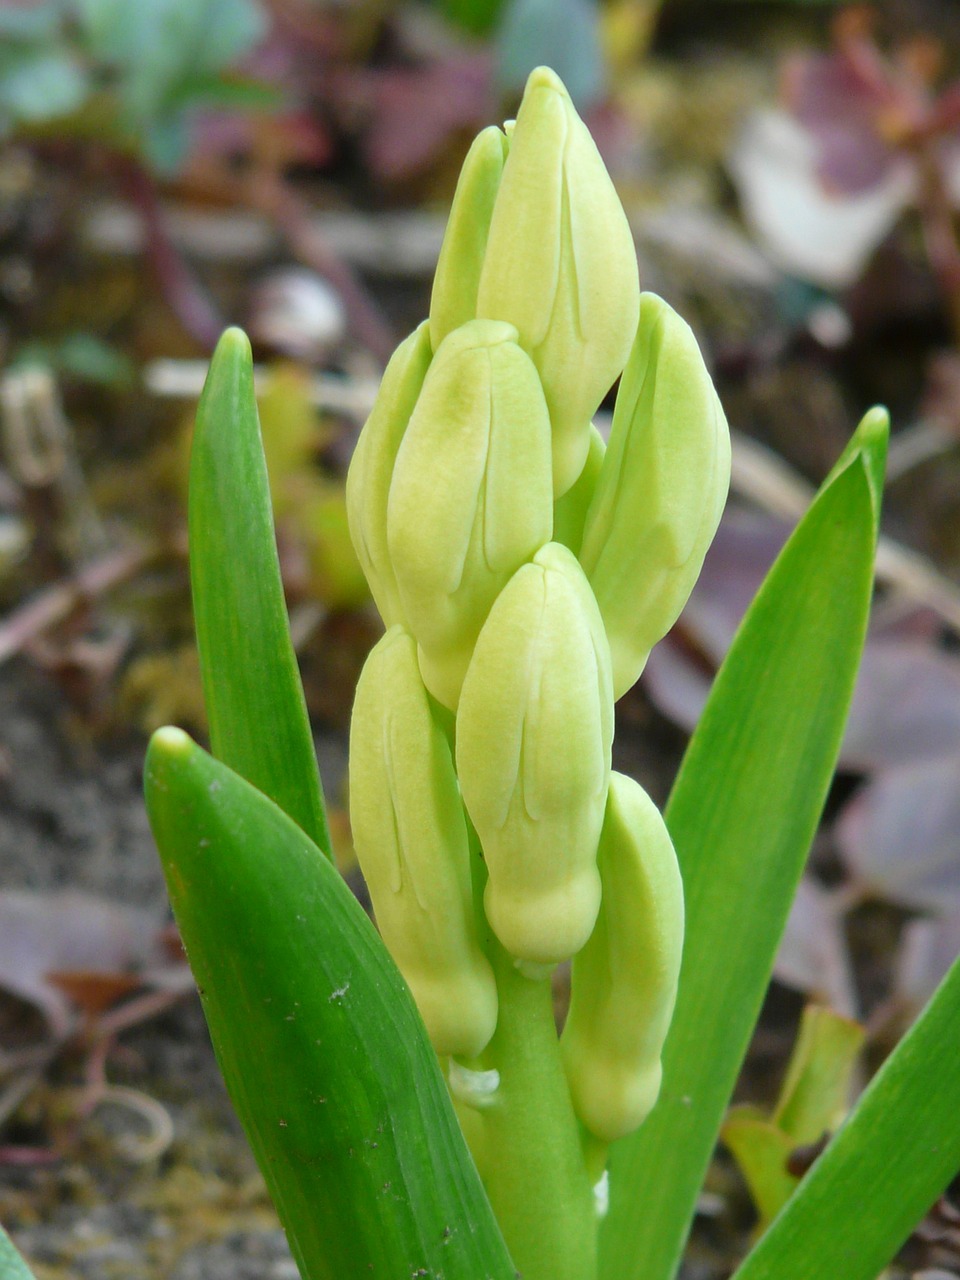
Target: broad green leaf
x=742 y=814
x=12 y=1265
x=322 y=1049
x=897 y=1152
x=251 y=685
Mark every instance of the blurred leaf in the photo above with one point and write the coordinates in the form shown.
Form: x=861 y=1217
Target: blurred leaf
x=72 y=933
x=895 y=1154
x=742 y=814
x=906 y=708
x=33 y=23
x=336 y=577
x=227 y=93
x=166 y=141
x=476 y=16
x=357 y=1141
x=816 y=1090
x=928 y=949
x=40 y=83
x=761 y=1151
x=562 y=34
x=290 y=432
x=898 y=835
x=157 y=48
x=164 y=688
x=813 y=956
x=416 y=112
x=167 y=39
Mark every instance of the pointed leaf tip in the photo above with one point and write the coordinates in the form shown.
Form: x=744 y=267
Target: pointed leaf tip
x=869 y=444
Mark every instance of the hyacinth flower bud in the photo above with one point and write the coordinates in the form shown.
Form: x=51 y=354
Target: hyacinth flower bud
x=454 y=298
x=570 y=511
x=410 y=835
x=471 y=498
x=534 y=730
x=624 y=981
x=661 y=490
x=371 y=470
x=560 y=264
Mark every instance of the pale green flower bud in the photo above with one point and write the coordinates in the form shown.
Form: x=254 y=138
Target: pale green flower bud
x=454 y=298
x=410 y=834
x=570 y=511
x=371 y=470
x=471 y=498
x=661 y=490
x=561 y=265
x=534 y=730
x=624 y=982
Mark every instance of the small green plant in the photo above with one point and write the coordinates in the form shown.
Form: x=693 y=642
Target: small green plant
x=131 y=76
x=411 y=1105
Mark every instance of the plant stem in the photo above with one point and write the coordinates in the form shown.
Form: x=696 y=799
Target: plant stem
x=526 y=1142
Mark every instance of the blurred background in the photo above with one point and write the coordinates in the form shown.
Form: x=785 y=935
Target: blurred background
x=791 y=171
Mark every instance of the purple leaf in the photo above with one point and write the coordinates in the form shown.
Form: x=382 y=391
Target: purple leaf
x=900 y=835
x=813 y=955
x=928 y=949
x=906 y=707
x=73 y=933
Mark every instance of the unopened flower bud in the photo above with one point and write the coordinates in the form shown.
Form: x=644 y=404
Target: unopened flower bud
x=534 y=730
x=471 y=498
x=624 y=980
x=661 y=490
x=570 y=511
x=410 y=835
x=561 y=265
x=371 y=470
x=454 y=298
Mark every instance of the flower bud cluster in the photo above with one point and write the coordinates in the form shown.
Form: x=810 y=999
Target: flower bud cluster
x=524 y=570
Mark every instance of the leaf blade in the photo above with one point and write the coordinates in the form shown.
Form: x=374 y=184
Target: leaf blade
x=12 y=1265
x=357 y=1141
x=251 y=683
x=742 y=832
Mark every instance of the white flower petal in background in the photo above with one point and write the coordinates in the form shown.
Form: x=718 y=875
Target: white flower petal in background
x=807 y=231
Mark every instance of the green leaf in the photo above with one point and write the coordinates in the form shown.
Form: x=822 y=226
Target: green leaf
x=761 y=1151
x=816 y=1092
x=813 y=1102
x=156 y=44
x=561 y=34
x=743 y=812
x=39 y=22
x=897 y=1152
x=251 y=684
x=318 y=1039
x=476 y=16
x=165 y=141
x=40 y=84
x=12 y=1265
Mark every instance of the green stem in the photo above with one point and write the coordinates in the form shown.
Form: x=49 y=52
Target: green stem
x=526 y=1140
